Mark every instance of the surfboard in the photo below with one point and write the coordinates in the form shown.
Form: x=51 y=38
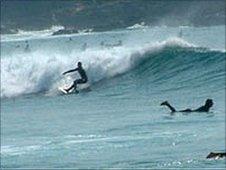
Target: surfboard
x=62 y=90
x=81 y=88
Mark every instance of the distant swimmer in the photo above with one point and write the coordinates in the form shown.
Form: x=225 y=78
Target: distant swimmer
x=27 y=48
x=83 y=75
x=119 y=43
x=84 y=46
x=205 y=108
x=180 y=33
x=216 y=155
x=114 y=45
x=102 y=43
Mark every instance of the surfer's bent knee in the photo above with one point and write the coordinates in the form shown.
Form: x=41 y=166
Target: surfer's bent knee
x=79 y=81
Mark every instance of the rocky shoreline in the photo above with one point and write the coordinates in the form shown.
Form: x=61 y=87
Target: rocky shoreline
x=77 y=16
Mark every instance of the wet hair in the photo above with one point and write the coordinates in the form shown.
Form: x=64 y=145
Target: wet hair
x=79 y=63
x=209 y=102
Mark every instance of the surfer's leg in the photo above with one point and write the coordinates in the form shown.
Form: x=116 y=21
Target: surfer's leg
x=75 y=85
x=186 y=110
x=72 y=86
x=166 y=103
x=79 y=81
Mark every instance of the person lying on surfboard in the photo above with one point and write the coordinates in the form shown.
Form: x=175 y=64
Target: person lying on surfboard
x=216 y=155
x=82 y=74
x=205 y=108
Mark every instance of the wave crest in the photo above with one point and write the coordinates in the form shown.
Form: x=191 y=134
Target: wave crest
x=40 y=71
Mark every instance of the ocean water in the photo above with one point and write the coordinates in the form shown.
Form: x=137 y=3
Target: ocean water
x=119 y=123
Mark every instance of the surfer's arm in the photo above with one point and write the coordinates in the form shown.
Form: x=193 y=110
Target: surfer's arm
x=69 y=71
x=166 y=103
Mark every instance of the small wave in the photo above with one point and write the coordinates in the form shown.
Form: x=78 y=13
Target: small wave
x=26 y=35
x=41 y=32
x=137 y=26
x=16 y=150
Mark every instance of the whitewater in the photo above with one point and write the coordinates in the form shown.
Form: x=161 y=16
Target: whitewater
x=119 y=123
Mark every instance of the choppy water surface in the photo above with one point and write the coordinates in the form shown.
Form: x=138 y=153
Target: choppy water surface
x=119 y=123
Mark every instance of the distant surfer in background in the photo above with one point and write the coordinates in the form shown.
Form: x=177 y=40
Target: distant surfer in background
x=180 y=33
x=114 y=45
x=118 y=44
x=84 y=46
x=205 y=108
x=70 y=39
x=82 y=80
x=27 y=47
x=102 y=43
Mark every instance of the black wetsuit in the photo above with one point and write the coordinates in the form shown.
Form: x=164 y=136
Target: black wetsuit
x=83 y=75
x=205 y=108
x=82 y=80
x=200 y=109
x=216 y=154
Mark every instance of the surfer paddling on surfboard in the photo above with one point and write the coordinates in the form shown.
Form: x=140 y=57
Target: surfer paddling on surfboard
x=205 y=108
x=82 y=74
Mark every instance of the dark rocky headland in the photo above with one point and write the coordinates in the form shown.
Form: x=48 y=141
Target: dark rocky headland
x=103 y=15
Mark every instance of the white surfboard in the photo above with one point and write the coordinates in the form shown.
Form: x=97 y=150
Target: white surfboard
x=62 y=90
x=81 y=87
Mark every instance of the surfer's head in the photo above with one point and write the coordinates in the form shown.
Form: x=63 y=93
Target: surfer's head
x=209 y=103
x=79 y=64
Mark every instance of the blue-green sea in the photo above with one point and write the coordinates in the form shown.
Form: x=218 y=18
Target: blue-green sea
x=119 y=123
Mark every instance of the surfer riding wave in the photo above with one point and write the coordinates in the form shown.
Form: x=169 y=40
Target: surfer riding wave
x=82 y=74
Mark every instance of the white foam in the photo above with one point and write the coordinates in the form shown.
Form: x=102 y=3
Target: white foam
x=40 y=71
x=138 y=26
x=16 y=150
x=27 y=35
